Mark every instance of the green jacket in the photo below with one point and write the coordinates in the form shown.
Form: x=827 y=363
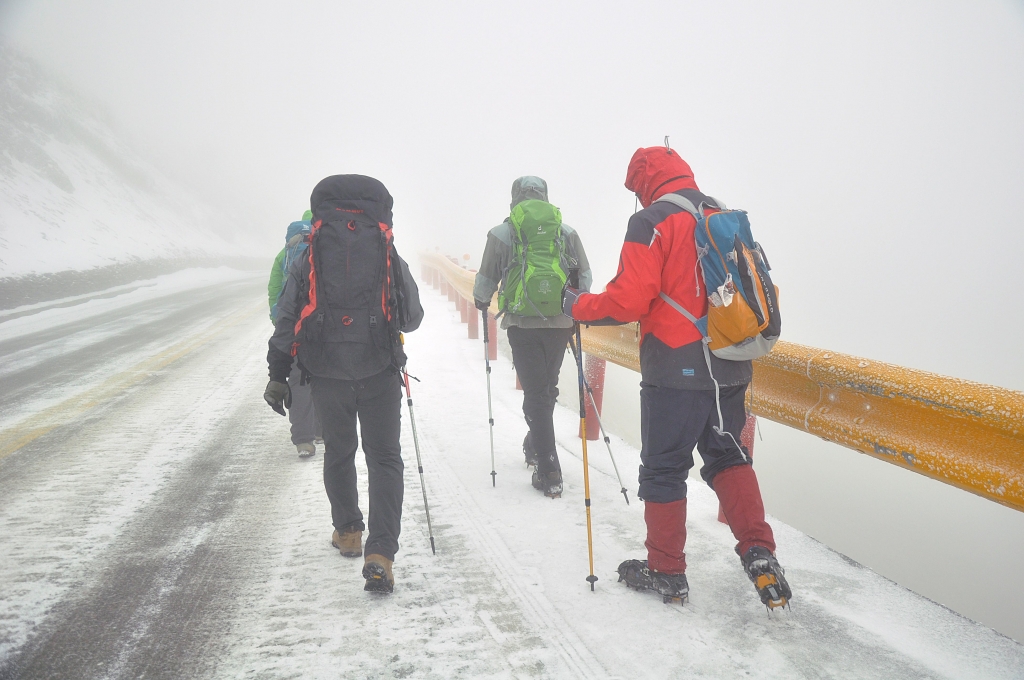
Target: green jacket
x=276 y=282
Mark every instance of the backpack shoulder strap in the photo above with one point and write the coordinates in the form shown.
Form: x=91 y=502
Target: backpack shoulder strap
x=682 y=202
x=686 y=204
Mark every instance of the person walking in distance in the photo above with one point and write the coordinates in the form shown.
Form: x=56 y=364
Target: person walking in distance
x=305 y=425
x=343 y=310
x=526 y=260
x=678 y=406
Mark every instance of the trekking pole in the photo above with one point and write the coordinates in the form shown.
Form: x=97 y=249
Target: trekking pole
x=607 y=441
x=490 y=412
x=419 y=461
x=578 y=353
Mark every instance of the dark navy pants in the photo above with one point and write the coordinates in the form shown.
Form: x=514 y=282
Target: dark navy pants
x=672 y=422
x=377 y=403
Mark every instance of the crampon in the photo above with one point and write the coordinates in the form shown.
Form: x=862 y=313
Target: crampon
x=673 y=588
x=768 y=577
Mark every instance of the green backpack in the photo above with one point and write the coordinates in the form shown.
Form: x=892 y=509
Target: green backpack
x=535 y=276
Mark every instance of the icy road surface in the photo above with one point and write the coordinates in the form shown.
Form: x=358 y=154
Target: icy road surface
x=155 y=522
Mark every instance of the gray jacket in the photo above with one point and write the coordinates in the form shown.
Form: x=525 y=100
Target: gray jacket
x=498 y=255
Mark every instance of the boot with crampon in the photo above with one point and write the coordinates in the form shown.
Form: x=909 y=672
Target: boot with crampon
x=377 y=572
x=548 y=482
x=768 y=577
x=671 y=587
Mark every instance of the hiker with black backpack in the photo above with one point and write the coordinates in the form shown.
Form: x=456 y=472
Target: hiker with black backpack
x=691 y=274
x=526 y=260
x=343 y=310
x=305 y=428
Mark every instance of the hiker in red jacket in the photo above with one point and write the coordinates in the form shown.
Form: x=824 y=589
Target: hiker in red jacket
x=678 y=406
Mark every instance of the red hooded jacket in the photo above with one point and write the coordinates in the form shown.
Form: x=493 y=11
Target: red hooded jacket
x=659 y=255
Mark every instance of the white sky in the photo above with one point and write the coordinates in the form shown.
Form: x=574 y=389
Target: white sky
x=878 y=146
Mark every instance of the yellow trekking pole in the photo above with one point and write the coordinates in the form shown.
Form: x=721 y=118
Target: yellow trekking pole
x=577 y=351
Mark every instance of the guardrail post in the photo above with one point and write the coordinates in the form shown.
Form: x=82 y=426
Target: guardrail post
x=593 y=371
x=463 y=309
x=746 y=440
x=453 y=295
x=474 y=324
x=442 y=284
x=492 y=338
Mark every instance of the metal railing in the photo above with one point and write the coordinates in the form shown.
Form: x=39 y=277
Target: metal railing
x=959 y=432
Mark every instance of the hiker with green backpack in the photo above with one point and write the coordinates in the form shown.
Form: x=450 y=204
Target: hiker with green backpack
x=527 y=260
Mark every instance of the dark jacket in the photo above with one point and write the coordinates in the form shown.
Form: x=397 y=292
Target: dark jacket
x=659 y=255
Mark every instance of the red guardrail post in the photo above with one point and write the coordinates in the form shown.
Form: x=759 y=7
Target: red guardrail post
x=746 y=440
x=593 y=371
x=463 y=309
x=453 y=296
x=474 y=323
x=492 y=338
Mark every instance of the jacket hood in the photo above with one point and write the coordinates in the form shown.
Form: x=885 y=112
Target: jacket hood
x=352 y=194
x=301 y=227
x=655 y=171
x=528 y=187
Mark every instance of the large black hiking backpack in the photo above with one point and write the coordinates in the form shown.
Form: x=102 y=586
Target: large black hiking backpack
x=354 y=307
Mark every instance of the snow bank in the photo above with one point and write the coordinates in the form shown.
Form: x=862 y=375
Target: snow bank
x=73 y=195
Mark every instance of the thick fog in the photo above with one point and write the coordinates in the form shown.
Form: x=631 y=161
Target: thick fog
x=878 y=146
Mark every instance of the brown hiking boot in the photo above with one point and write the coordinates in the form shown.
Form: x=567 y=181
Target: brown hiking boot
x=349 y=543
x=377 y=572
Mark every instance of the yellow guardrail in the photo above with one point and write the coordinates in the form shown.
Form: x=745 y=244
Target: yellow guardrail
x=959 y=432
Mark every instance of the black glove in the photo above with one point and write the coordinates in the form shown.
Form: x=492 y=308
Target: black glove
x=569 y=297
x=278 y=395
x=482 y=305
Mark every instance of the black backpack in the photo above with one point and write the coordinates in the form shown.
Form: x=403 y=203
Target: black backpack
x=354 y=287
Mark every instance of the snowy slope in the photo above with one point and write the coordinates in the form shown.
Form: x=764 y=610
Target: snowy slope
x=73 y=195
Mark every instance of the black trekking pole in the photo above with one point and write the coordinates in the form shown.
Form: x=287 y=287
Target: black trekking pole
x=419 y=461
x=574 y=281
x=604 y=434
x=490 y=412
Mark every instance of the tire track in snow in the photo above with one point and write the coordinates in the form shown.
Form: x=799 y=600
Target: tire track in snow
x=103 y=563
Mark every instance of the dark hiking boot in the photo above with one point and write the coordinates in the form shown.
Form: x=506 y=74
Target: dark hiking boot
x=671 y=587
x=306 y=450
x=349 y=543
x=377 y=572
x=768 y=577
x=549 y=482
x=528 y=452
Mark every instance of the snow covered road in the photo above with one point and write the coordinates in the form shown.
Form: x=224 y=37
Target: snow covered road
x=155 y=522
